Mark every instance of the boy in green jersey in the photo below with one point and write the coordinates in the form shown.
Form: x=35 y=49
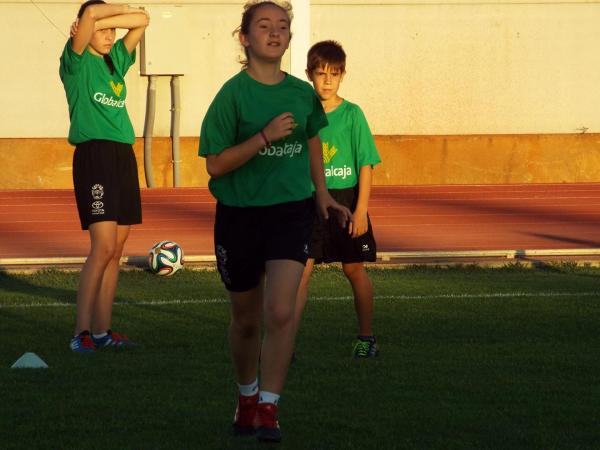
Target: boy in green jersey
x=92 y=69
x=260 y=138
x=349 y=155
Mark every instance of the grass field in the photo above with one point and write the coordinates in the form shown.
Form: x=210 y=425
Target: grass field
x=470 y=358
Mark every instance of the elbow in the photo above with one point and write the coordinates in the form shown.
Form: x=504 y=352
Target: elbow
x=213 y=169
x=91 y=12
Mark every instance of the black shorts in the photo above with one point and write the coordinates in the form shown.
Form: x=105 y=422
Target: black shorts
x=106 y=183
x=245 y=238
x=332 y=243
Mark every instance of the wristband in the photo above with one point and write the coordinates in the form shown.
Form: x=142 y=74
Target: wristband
x=264 y=137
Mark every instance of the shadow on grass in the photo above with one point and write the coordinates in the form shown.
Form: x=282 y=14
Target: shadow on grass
x=23 y=285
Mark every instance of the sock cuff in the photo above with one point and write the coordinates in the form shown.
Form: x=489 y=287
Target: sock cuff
x=268 y=397
x=249 y=389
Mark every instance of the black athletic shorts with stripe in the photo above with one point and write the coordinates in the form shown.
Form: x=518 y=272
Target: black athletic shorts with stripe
x=332 y=243
x=246 y=238
x=106 y=183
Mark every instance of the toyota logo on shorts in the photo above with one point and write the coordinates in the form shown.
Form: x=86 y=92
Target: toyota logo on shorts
x=97 y=205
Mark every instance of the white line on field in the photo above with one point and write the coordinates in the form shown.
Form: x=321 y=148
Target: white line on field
x=201 y=301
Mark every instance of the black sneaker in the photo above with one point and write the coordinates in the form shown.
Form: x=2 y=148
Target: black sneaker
x=365 y=347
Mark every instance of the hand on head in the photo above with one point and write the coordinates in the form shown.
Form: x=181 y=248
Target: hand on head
x=74 y=26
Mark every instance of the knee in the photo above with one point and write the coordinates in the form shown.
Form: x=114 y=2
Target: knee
x=245 y=328
x=352 y=270
x=278 y=318
x=104 y=252
x=117 y=251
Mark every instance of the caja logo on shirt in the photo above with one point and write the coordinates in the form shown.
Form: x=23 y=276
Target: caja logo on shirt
x=333 y=171
x=290 y=150
x=103 y=99
x=117 y=88
x=328 y=152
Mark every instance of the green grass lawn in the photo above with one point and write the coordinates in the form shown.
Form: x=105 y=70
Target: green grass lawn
x=470 y=358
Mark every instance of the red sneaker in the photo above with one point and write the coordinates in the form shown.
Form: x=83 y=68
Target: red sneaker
x=266 y=423
x=243 y=421
x=82 y=343
x=114 y=339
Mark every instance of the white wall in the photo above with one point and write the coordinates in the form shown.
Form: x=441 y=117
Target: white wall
x=427 y=68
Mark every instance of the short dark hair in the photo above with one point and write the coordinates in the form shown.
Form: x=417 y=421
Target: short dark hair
x=83 y=7
x=326 y=53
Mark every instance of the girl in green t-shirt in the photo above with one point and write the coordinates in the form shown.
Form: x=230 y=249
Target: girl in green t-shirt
x=262 y=148
x=92 y=69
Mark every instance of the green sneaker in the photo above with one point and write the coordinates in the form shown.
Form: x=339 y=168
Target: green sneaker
x=365 y=347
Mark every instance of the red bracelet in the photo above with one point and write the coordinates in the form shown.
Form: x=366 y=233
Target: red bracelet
x=267 y=142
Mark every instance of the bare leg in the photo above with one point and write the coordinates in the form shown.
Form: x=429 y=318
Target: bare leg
x=244 y=332
x=103 y=236
x=108 y=286
x=363 y=296
x=282 y=280
x=302 y=295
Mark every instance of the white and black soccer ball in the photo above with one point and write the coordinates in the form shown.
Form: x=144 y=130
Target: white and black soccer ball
x=165 y=258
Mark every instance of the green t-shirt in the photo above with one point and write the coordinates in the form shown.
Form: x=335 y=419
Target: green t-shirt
x=277 y=174
x=96 y=97
x=348 y=145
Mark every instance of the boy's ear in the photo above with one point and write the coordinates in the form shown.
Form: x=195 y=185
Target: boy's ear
x=308 y=74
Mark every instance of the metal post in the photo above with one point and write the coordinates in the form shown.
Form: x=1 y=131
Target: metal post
x=175 y=113
x=148 y=130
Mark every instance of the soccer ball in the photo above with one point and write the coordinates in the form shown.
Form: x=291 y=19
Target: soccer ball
x=165 y=258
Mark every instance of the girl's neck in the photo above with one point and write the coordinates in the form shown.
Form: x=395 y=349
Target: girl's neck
x=94 y=52
x=331 y=103
x=266 y=73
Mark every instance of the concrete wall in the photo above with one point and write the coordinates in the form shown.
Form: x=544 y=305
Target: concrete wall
x=408 y=160
x=511 y=77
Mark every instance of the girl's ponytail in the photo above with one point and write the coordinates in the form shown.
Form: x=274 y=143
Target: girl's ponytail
x=109 y=62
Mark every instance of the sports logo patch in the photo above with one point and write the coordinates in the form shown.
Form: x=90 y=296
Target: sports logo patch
x=97 y=192
x=222 y=263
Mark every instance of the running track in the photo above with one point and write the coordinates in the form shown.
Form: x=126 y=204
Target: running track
x=429 y=220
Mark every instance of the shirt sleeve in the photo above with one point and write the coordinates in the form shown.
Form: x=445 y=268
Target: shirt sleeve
x=220 y=124
x=69 y=61
x=121 y=57
x=317 y=119
x=366 y=151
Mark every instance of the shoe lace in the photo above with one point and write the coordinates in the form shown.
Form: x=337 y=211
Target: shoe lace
x=361 y=348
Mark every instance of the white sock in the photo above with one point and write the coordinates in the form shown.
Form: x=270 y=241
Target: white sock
x=99 y=336
x=268 y=397
x=249 y=390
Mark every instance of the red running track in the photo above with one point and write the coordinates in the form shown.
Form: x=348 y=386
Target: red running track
x=44 y=223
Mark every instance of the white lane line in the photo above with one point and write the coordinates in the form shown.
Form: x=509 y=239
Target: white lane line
x=201 y=301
